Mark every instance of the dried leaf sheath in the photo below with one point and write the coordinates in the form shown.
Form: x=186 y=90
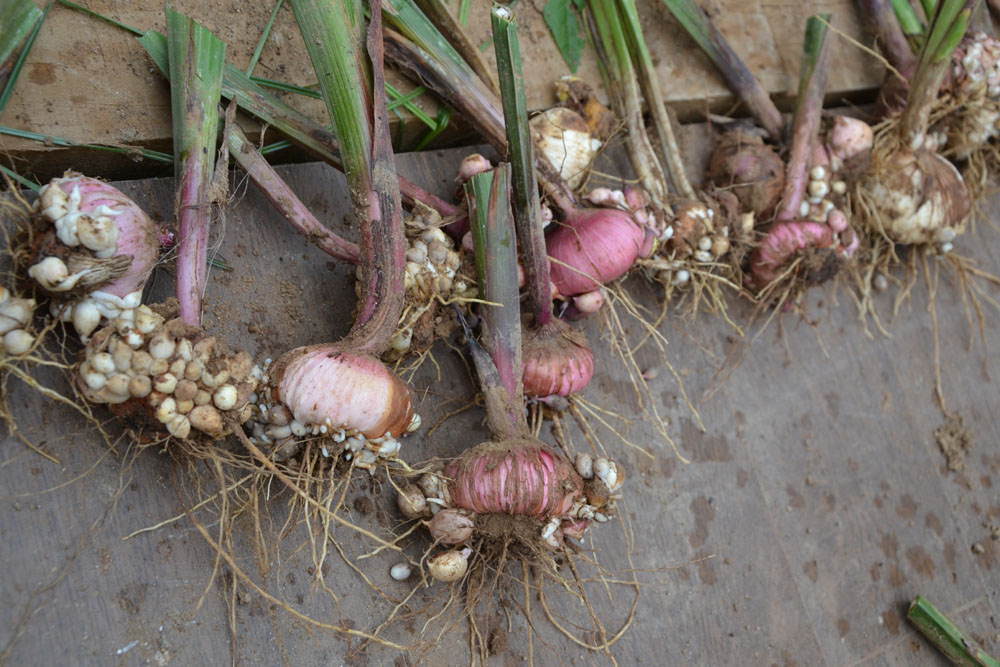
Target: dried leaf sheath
x=496 y=269
x=737 y=75
x=527 y=207
x=482 y=110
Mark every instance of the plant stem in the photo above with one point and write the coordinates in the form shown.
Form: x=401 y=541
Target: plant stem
x=947 y=26
x=882 y=21
x=908 y=20
x=196 y=61
x=333 y=31
x=527 y=207
x=928 y=6
x=353 y=88
x=473 y=102
x=298 y=127
x=946 y=636
x=673 y=160
x=619 y=73
x=285 y=201
x=805 y=127
x=446 y=22
x=406 y=18
x=496 y=271
x=737 y=75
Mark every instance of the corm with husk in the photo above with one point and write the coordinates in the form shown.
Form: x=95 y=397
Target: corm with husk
x=512 y=498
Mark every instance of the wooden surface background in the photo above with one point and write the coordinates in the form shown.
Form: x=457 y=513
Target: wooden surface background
x=90 y=82
x=815 y=506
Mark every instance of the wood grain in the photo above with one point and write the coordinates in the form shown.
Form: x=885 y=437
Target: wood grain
x=90 y=82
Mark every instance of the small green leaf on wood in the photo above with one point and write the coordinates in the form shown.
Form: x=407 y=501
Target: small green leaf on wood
x=566 y=30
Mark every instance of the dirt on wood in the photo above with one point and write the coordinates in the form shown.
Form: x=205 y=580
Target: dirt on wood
x=954 y=440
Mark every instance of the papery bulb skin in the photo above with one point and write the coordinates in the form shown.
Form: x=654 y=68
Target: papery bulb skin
x=520 y=477
x=451 y=526
x=412 y=502
x=564 y=139
x=592 y=247
x=98 y=225
x=326 y=384
x=556 y=360
x=920 y=197
x=744 y=165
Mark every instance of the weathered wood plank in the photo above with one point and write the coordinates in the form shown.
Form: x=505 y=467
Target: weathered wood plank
x=90 y=82
x=814 y=507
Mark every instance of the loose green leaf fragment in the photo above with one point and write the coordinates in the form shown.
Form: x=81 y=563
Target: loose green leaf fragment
x=946 y=636
x=566 y=30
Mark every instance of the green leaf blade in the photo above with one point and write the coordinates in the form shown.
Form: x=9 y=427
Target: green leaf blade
x=566 y=31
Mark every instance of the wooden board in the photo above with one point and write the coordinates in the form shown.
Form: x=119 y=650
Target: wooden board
x=815 y=506
x=90 y=82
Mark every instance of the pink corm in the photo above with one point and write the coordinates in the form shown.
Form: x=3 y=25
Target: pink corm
x=592 y=247
x=521 y=478
x=324 y=384
x=784 y=240
x=138 y=237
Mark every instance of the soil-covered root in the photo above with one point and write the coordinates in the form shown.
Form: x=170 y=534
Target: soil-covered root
x=503 y=503
x=798 y=254
x=700 y=251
